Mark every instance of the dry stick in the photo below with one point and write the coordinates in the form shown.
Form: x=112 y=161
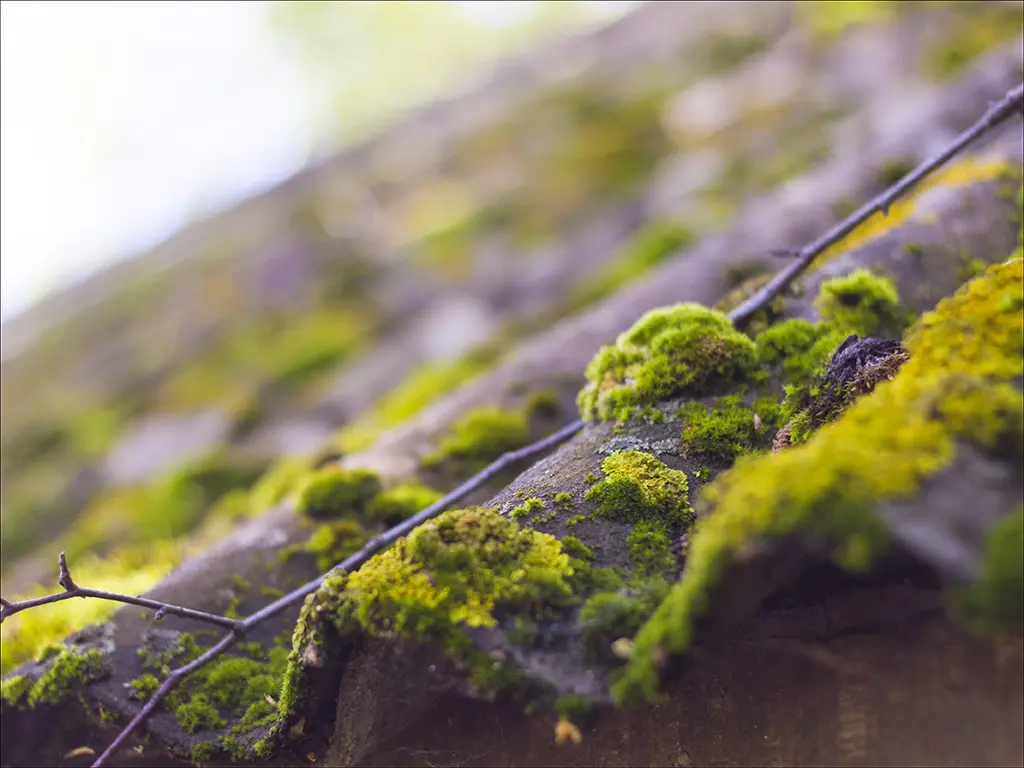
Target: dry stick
x=997 y=113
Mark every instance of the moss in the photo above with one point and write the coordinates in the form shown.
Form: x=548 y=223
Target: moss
x=607 y=616
x=333 y=492
x=723 y=433
x=479 y=437
x=393 y=505
x=277 y=483
x=414 y=393
x=575 y=548
x=648 y=544
x=959 y=173
x=14 y=688
x=144 y=686
x=198 y=714
x=686 y=349
x=995 y=602
x=981 y=29
x=69 y=671
x=797 y=350
x=456 y=571
x=203 y=751
x=333 y=542
x=235 y=748
x=531 y=505
x=863 y=303
x=764 y=318
x=544 y=404
x=639 y=487
x=956 y=387
x=563 y=501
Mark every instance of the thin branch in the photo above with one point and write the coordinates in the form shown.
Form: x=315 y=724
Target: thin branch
x=1012 y=102
x=998 y=112
x=72 y=590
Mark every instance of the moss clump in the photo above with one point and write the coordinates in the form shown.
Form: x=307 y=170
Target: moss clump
x=723 y=433
x=796 y=350
x=648 y=544
x=335 y=541
x=198 y=714
x=144 y=686
x=686 y=349
x=563 y=501
x=393 y=505
x=956 y=387
x=332 y=492
x=863 y=303
x=480 y=437
x=70 y=670
x=639 y=487
x=203 y=751
x=14 y=688
x=459 y=569
x=607 y=616
x=529 y=506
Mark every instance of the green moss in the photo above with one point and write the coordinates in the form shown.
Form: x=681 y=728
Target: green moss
x=956 y=387
x=333 y=542
x=275 y=485
x=144 y=686
x=235 y=748
x=530 y=506
x=479 y=437
x=607 y=616
x=203 y=751
x=456 y=571
x=648 y=544
x=69 y=671
x=333 y=492
x=796 y=350
x=639 y=487
x=995 y=602
x=863 y=303
x=14 y=688
x=393 y=505
x=575 y=548
x=686 y=349
x=564 y=501
x=722 y=434
x=198 y=714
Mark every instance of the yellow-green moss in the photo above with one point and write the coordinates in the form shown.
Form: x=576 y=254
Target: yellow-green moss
x=198 y=714
x=529 y=506
x=14 y=688
x=70 y=670
x=639 y=487
x=144 y=686
x=479 y=437
x=723 y=433
x=797 y=350
x=609 y=615
x=686 y=349
x=393 y=505
x=455 y=571
x=648 y=544
x=955 y=387
x=863 y=303
x=203 y=751
x=333 y=492
x=333 y=542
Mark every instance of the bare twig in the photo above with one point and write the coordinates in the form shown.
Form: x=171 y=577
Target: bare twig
x=998 y=112
x=1012 y=102
x=73 y=590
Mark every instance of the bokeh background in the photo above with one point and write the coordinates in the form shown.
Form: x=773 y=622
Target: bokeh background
x=237 y=237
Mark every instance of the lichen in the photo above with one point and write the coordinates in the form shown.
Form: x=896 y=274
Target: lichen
x=69 y=671
x=639 y=487
x=863 y=303
x=686 y=349
x=959 y=385
x=479 y=437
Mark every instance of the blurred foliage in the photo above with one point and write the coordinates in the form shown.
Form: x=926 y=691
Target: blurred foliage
x=373 y=60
